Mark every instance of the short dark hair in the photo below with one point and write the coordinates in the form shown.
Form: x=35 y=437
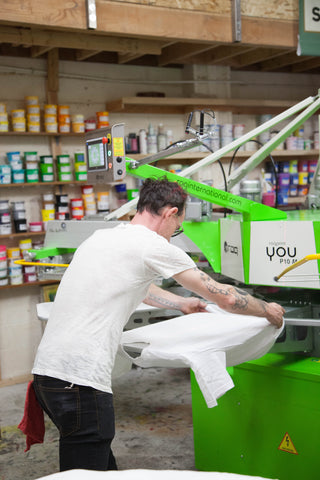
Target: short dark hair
x=156 y=194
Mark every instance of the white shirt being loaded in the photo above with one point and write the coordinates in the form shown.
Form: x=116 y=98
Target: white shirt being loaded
x=109 y=276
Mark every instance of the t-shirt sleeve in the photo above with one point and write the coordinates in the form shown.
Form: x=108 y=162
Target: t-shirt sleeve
x=168 y=261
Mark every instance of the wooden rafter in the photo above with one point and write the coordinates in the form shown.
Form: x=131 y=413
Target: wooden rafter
x=281 y=61
x=257 y=55
x=179 y=52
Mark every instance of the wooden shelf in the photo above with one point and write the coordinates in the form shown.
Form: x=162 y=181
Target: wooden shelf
x=23 y=234
x=185 y=105
x=30 y=284
x=282 y=154
x=40 y=134
x=42 y=184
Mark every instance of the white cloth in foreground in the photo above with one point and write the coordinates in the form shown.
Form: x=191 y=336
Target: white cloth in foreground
x=141 y=474
x=205 y=342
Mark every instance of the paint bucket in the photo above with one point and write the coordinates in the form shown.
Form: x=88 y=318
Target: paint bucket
x=251 y=189
x=293 y=166
x=31 y=100
x=35 y=226
x=294 y=178
x=238 y=130
x=50 y=109
x=282 y=196
x=63 y=110
x=284 y=167
x=269 y=198
x=303 y=178
x=283 y=180
x=79 y=127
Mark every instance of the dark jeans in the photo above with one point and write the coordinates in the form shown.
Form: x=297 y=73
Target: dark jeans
x=85 y=419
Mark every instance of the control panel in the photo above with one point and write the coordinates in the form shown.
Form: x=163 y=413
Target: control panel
x=105 y=154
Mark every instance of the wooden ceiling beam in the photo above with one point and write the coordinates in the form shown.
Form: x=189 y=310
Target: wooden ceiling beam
x=38 y=51
x=269 y=32
x=221 y=54
x=280 y=62
x=306 y=65
x=56 y=39
x=85 y=54
x=127 y=57
x=155 y=22
x=179 y=52
x=135 y=20
x=257 y=55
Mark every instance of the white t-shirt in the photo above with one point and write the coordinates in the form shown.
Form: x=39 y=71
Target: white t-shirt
x=109 y=276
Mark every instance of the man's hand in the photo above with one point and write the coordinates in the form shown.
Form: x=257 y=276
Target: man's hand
x=192 y=305
x=274 y=314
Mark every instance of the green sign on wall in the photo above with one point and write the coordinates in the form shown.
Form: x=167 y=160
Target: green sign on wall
x=309 y=27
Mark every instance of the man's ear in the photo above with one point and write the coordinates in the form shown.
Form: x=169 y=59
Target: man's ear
x=170 y=211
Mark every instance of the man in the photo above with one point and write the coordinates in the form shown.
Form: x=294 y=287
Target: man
x=111 y=273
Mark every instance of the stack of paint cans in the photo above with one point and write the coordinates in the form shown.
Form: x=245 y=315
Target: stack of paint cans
x=4 y=123
x=77 y=208
x=16 y=165
x=47 y=211
x=78 y=125
x=264 y=137
x=294 y=178
x=80 y=167
x=64 y=169
x=226 y=134
x=62 y=211
x=5 y=218
x=312 y=167
x=89 y=202
x=29 y=271
x=238 y=131
x=102 y=119
x=18 y=120
x=303 y=178
x=31 y=166
x=15 y=271
x=33 y=113
x=4 y=280
x=5 y=174
x=19 y=216
x=50 y=118
x=46 y=168
x=103 y=202
x=64 y=119
x=283 y=183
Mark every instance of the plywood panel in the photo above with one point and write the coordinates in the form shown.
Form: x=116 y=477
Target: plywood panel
x=283 y=10
x=219 y=7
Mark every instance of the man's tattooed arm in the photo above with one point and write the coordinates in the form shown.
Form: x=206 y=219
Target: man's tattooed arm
x=242 y=300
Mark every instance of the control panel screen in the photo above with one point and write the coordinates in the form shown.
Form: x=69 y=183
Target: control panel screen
x=97 y=158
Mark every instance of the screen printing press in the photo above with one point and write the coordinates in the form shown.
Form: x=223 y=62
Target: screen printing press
x=268 y=423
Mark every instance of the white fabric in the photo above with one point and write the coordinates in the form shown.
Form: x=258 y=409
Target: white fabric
x=205 y=342
x=141 y=474
x=108 y=278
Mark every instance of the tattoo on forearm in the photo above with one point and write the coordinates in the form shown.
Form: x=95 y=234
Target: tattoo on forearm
x=210 y=285
x=242 y=298
x=164 y=301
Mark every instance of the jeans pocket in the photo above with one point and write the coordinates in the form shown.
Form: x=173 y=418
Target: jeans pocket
x=105 y=415
x=63 y=407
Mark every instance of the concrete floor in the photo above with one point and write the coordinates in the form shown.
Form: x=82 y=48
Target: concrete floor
x=153 y=426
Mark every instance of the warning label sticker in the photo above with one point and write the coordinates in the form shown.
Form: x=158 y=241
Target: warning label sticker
x=118 y=147
x=286 y=445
